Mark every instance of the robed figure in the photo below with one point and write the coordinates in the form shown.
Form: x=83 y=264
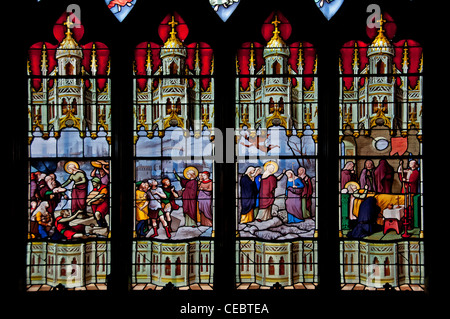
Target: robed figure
x=348 y=174
x=189 y=186
x=267 y=191
x=80 y=186
x=307 y=192
x=52 y=192
x=257 y=175
x=367 y=219
x=367 y=177
x=205 y=187
x=249 y=192
x=294 y=189
x=409 y=177
x=384 y=176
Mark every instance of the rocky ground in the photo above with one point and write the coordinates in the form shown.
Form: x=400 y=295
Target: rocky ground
x=277 y=227
x=179 y=230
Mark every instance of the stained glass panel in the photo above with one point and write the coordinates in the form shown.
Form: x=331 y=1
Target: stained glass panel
x=381 y=165
x=277 y=168
x=174 y=161
x=69 y=137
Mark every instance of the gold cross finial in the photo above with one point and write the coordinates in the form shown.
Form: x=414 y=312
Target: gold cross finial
x=381 y=21
x=172 y=24
x=276 y=22
x=69 y=24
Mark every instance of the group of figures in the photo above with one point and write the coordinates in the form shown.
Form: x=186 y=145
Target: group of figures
x=381 y=178
x=375 y=190
x=257 y=193
x=49 y=217
x=155 y=203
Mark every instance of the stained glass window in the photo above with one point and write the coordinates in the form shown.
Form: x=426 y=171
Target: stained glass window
x=174 y=165
x=276 y=164
x=381 y=161
x=123 y=191
x=69 y=166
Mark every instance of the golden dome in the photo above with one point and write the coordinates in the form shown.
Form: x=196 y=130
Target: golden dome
x=69 y=47
x=381 y=44
x=276 y=45
x=173 y=45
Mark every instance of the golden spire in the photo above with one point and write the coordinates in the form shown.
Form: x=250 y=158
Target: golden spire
x=276 y=22
x=381 y=38
x=69 y=25
x=173 y=45
x=197 y=56
x=300 y=61
x=276 y=44
x=355 y=55
x=172 y=24
x=94 y=59
x=381 y=43
x=148 y=64
x=276 y=40
x=173 y=33
x=252 y=56
x=405 y=55
x=68 y=46
x=381 y=24
x=173 y=40
x=44 y=57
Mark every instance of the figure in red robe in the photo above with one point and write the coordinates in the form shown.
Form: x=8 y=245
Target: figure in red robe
x=410 y=186
x=384 y=176
x=267 y=191
x=189 y=188
x=409 y=177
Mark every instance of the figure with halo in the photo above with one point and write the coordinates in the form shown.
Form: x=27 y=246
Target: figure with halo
x=267 y=190
x=189 y=190
x=79 y=188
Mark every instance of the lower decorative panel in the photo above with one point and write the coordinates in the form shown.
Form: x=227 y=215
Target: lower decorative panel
x=381 y=265
x=278 y=264
x=180 y=264
x=72 y=265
